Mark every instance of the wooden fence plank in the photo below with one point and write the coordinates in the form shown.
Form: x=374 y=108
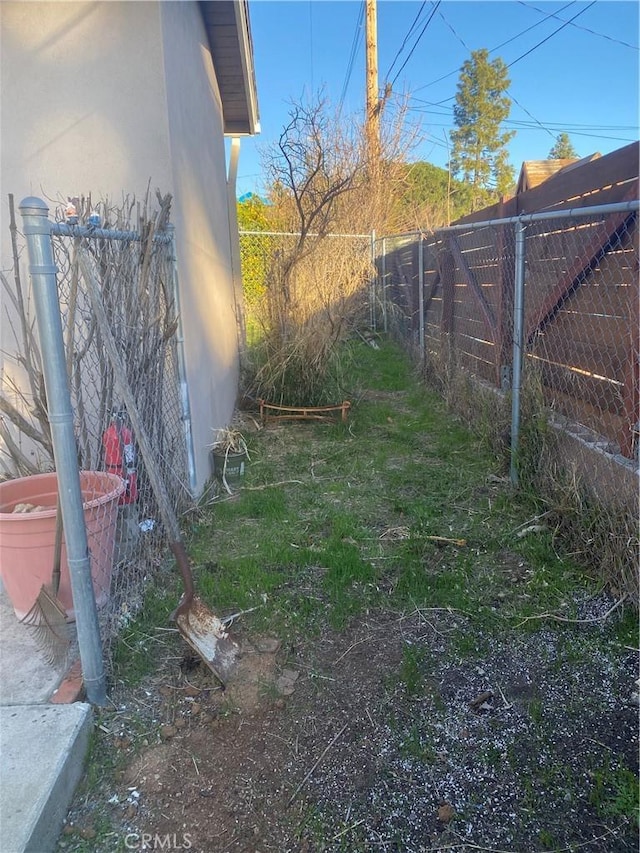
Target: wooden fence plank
x=562 y=189
x=471 y=280
x=605 y=236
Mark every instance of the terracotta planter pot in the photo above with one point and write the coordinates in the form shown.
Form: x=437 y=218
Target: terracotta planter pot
x=27 y=538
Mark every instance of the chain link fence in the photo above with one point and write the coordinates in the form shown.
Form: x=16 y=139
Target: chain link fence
x=136 y=277
x=329 y=282
x=564 y=344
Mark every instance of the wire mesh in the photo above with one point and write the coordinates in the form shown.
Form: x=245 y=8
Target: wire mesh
x=580 y=322
x=316 y=283
x=449 y=297
x=135 y=272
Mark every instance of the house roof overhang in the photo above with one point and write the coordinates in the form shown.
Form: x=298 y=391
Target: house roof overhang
x=229 y=33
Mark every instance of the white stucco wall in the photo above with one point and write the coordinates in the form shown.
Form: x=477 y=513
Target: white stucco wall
x=202 y=230
x=83 y=105
x=109 y=98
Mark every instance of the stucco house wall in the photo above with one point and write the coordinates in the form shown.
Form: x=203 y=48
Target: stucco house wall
x=110 y=98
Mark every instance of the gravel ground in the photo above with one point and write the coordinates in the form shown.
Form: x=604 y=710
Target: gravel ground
x=404 y=733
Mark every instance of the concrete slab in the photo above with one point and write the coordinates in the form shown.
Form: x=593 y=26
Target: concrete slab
x=25 y=676
x=42 y=746
x=42 y=752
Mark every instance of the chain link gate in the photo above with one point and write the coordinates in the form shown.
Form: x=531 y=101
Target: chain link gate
x=136 y=273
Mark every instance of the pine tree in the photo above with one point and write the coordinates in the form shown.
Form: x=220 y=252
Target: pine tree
x=479 y=155
x=563 y=149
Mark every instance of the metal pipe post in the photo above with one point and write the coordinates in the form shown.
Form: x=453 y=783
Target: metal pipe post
x=421 y=293
x=384 y=285
x=518 y=345
x=185 y=404
x=372 y=286
x=37 y=230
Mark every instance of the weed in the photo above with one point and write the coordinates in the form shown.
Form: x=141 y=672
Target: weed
x=135 y=652
x=615 y=793
x=535 y=711
x=412 y=669
x=415 y=745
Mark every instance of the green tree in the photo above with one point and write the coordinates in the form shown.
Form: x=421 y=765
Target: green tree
x=479 y=153
x=255 y=250
x=429 y=198
x=253 y=214
x=563 y=148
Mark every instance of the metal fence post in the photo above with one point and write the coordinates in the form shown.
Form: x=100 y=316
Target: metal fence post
x=421 y=293
x=185 y=405
x=518 y=345
x=37 y=230
x=372 y=288
x=384 y=284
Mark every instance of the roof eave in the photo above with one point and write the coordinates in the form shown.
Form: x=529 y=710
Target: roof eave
x=241 y=63
x=248 y=70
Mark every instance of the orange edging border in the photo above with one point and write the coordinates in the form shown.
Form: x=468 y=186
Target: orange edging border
x=271 y=412
x=71 y=688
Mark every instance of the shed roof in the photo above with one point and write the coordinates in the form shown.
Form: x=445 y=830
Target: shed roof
x=535 y=172
x=229 y=34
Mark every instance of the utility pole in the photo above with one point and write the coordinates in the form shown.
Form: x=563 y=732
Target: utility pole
x=373 y=103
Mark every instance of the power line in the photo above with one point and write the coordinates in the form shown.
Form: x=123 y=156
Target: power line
x=559 y=126
x=551 y=35
x=357 y=38
x=531 y=116
x=493 y=49
x=522 y=56
x=460 y=39
x=417 y=42
x=406 y=38
x=533 y=26
x=578 y=27
x=572 y=129
x=311 y=40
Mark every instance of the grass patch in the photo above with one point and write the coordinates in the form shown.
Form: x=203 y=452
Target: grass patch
x=398 y=513
x=401 y=463
x=335 y=519
x=615 y=793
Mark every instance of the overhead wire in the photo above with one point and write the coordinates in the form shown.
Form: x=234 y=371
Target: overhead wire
x=460 y=39
x=405 y=40
x=578 y=27
x=551 y=35
x=493 y=49
x=311 y=39
x=357 y=37
x=522 y=56
x=417 y=42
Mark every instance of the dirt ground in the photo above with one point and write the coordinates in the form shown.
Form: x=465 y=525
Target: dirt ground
x=385 y=737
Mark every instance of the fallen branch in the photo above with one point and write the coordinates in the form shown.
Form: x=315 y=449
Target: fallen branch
x=446 y=541
x=309 y=774
x=271 y=485
x=396 y=533
x=352 y=646
x=589 y=621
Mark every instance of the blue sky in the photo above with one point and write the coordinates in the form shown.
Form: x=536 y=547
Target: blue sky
x=582 y=79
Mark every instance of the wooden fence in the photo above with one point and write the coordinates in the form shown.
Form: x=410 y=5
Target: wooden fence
x=581 y=294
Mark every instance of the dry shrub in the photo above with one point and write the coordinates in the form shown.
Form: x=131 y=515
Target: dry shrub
x=306 y=318
x=599 y=532
x=323 y=185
